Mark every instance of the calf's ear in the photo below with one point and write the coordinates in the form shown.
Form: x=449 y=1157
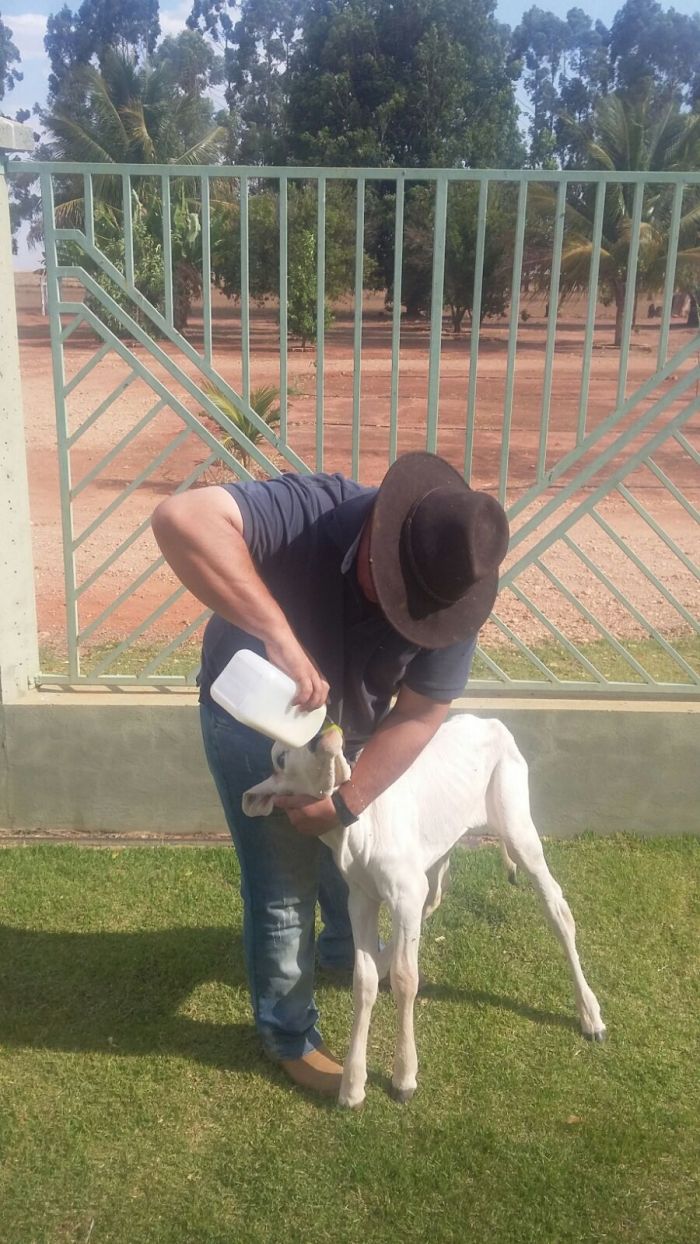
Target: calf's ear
x=343 y=772
x=330 y=745
x=259 y=800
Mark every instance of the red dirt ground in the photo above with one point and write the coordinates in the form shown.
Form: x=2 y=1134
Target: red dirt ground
x=126 y=465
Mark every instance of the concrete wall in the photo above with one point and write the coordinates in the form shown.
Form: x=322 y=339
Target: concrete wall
x=125 y=762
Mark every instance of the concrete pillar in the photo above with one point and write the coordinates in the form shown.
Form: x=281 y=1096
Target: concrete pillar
x=19 y=657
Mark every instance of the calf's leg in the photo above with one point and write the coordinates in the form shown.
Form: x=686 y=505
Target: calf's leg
x=438 y=877
x=364 y=916
x=508 y=806
x=404 y=983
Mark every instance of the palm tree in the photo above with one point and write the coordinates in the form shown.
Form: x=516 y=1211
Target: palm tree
x=263 y=400
x=126 y=113
x=130 y=113
x=628 y=134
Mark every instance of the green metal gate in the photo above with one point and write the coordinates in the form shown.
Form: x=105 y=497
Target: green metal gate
x=600 y=482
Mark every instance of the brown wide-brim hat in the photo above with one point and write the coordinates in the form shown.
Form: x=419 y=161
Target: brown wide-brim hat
x=435 y=546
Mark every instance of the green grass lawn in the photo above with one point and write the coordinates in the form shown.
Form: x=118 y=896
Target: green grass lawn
x=135 y=1105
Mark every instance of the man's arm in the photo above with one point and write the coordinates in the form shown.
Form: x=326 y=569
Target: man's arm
x=392 y=748
x=200 y=534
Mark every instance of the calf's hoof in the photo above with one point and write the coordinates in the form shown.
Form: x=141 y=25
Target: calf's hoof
x=401 y=1095
x=598 y=1035
x=350 y=1103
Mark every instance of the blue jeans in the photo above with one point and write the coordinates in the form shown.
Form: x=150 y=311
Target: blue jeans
x=283 y=875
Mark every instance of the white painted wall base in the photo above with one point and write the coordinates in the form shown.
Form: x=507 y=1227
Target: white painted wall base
x=133 y=761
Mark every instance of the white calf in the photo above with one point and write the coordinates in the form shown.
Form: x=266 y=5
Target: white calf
x=469 y=776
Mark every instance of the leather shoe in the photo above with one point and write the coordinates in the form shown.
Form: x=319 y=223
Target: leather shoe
x=316 y=1071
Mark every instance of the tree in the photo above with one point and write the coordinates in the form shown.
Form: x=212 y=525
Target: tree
x=189 y=62
x=655 y=47
x=256 y=53
x=413 y=82
x=9 y=58
x=99 y=27
x=132 y=113
x=460 y=252
x=627 y=135
x=264 y=248
x=566 y=66
x=566 y=69
x=302 y=301
x=540 y=42
x=21 y=199
x=140 y=115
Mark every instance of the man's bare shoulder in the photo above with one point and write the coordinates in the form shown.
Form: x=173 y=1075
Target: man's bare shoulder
x=183 y=509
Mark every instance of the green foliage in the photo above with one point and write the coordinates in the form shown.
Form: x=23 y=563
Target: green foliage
x=567 y=65
x=262 y=401
x=373 y=82
x=460 y=252
x=460 y=255
x=365 y=81
x=9 y=59
x=256 y=54
x=628 y=133
x=540 y=42
x=148 y=263
x=189 y=62
x=98 y=28
x=263 y=263
x=264 y=238
x=418 y=83
x=302 y=289
x=656 y=48
x=143 y=114
x=129 y=112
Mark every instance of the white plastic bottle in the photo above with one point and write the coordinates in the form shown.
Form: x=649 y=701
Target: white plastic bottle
x=260 y=695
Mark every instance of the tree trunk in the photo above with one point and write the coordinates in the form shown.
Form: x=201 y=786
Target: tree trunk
x=186 y=284
x=692 y=320
x=620 y=288
x=414 y=306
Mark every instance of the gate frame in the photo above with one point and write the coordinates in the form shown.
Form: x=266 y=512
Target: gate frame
x=442 y=178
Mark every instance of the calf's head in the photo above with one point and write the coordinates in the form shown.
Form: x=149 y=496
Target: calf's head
x=316 y=769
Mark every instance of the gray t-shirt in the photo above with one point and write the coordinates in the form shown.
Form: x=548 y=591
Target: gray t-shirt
x=302 y=532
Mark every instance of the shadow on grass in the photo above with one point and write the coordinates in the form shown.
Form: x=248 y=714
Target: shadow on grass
x=479 y=998
x=120 y=993
x=472 y=997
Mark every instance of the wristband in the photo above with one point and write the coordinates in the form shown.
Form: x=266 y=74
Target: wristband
x=342 y=811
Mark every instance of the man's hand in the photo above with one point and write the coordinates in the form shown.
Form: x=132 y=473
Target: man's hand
x=311 y=817
x=288 y=655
